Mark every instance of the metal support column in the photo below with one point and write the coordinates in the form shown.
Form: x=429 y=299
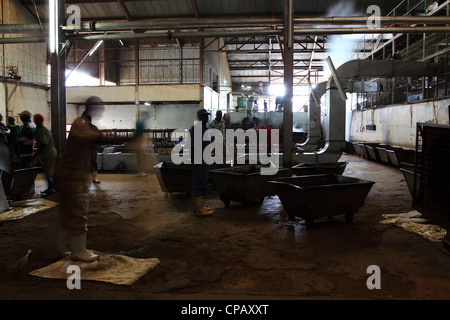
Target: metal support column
x=137 y=80
x=288 y=82
x=58 y=86
x=201 y=71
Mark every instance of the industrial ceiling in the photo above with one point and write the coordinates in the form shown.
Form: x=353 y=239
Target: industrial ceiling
x=250 y=29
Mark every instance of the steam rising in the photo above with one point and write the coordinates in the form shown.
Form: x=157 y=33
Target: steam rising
x=341 y=47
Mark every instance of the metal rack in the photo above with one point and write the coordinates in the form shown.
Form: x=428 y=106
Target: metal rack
x=432 y=173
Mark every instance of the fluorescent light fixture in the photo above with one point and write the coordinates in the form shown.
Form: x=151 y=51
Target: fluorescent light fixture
x=147 y=103
x=53 y=25
x=121 y=42
x=97 y=45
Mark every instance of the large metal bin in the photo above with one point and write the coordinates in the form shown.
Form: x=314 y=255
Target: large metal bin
x=315 y=196
x=311 y=168
x=363 y=150
x=400 y=155
x=245 y=184
x=383 y=153
x=174 y=178
x=358 y=148
x=372 y=151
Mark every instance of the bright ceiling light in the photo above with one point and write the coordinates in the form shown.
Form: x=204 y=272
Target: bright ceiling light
x=277 y=89
x=53 y=25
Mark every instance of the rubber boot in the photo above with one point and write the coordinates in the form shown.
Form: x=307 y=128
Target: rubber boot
x=78 y=249
x=50 y=187
x=199 y=210
x=58 y=238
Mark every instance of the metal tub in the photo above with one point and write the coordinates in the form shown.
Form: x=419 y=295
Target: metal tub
x=245 y=184
x=364 y=150
x=311 y=168
x=383 y=153
x=23 y=181
x=174 y=178
x=358 y=148
x=408 y=168
x=400 y=155
x=372 y=151
x=311 y=197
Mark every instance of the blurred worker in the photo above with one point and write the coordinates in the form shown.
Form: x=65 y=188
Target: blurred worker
x=46 y=151
x=218 y=123
x=200 y=169
x=4 y=130
x=26 y=139
x=74 y=176
x=13 y=139
x=94 y=153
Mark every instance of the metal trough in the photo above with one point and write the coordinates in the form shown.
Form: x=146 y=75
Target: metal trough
x=408 y=168
x=315 y=196
x=372 y=151
x=400 y=155
x=23 y=181
x=383 y=153
x=409 y=178
x=245 y=184
x=358 y=148
x=311 y=168
x=174 y=178
x=363 y=150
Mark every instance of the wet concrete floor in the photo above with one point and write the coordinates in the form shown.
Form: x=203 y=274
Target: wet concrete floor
x=238 y=253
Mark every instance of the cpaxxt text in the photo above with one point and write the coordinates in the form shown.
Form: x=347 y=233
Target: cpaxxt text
x=231 y=309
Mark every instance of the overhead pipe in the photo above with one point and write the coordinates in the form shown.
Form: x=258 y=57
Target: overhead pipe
x=336 y=107
x=257 y=32
x=177 y=23
x=21 y=28
x=314 y=110
x=226 y=22
x=314 y=125
x=331 y=31
x=22 y=40
x=245 y=22
x=178 y=35
x=362 y=20
x=232 y=33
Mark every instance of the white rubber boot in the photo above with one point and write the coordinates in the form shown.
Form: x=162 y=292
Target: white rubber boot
x=78 y=249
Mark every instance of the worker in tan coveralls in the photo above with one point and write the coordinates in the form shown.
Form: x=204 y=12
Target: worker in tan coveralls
x=74 y=177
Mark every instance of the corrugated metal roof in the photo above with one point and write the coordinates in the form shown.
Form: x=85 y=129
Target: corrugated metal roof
x=160 y=8
x=139 y=9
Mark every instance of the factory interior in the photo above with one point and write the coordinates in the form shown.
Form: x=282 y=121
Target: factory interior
x=332 y=181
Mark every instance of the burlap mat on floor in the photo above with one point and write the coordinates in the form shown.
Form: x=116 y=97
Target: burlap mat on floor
x=112 y=268
x=413 y=222
x=24 y=208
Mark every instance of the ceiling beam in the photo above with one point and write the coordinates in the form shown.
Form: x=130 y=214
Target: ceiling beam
x=194 y=6
x=124 y=9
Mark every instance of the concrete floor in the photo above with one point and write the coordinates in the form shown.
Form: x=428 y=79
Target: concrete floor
x=253 y=253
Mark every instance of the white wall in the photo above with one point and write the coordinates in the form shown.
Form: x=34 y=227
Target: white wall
x=396 y=125
x=155 y=116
